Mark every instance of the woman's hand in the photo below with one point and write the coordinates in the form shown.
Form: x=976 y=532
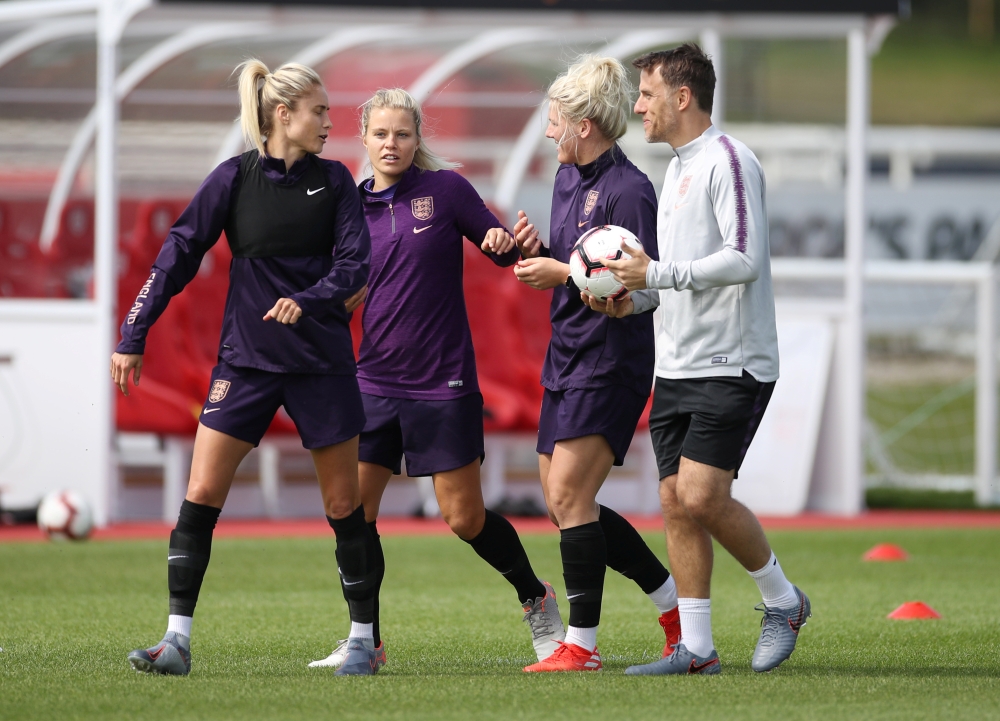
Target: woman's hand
x=526 y=236
x=352 y=303
x=121 y=365
x=609 y=307
x=541 y=273
x=498 y=241
x=285 y=311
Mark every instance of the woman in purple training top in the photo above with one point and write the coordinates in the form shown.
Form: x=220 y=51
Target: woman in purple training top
x=598 y=372
x=300 y=248
x=417 y=368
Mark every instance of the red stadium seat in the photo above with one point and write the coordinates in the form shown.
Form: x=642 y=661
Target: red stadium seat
x=504 y=365
x=154 y=407
x=26 y=272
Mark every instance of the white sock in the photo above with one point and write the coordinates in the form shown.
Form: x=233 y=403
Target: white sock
x=696 y=625
x=775 y=589
x=584 y=637
x=179 y=624
x=362 y=630
x=665 y=597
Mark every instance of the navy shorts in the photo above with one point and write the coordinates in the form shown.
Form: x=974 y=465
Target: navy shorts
x=435 y=436
x=612 y=412
x=708 y=420
x=241 y=403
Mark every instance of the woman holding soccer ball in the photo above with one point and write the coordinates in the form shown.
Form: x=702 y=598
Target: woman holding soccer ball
x=416 y=366
x=300 y=248
x=598 y=370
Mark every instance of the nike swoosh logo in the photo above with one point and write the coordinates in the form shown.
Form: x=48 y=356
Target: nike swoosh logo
x=211 y=410
x=699 y=667
x=574 y=596
x=352 y=583
x=153 y=655
x=678 y=206
x=582 y=223
x=313 y=192
x=170 y=558
x=421 y=230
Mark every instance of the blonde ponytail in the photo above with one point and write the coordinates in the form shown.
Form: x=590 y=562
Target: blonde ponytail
x=597 y=88
x=262 y=91
x=399 y=99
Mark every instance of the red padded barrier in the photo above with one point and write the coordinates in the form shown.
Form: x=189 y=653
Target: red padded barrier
x=508 y=369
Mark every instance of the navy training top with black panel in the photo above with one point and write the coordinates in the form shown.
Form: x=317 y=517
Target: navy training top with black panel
x=589 y=349
x=299 y=235
x=417 y=343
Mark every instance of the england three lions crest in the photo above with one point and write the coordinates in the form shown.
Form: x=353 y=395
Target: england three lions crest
x=591 y=201
x=423 y=208
x=218 y=392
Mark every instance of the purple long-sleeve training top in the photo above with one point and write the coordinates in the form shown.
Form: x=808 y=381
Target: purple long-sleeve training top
x=320 y=342
x=588 y=349
x=417 y=343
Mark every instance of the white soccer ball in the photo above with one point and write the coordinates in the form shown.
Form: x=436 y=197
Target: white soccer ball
x=585 y=267
x=65 y=515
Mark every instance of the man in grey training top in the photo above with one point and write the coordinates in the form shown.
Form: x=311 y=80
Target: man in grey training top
x=717 y=355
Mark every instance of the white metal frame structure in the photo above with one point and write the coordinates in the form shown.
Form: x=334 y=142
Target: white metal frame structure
x=357 y=27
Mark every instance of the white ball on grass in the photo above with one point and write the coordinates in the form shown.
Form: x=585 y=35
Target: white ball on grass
x=65 y=515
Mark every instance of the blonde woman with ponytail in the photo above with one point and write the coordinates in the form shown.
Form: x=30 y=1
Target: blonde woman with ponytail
x=300 y=249
x=416 y=365
x=598 y=370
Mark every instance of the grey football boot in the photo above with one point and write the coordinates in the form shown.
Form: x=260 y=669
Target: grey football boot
x=779 y=630
x=170 y=656
x=681 y=663
x=361 y=659
x=542 y=617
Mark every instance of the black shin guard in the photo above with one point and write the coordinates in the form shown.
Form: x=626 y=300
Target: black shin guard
x=499 y=545
x=584 y=557
x=187 y=559
x=379 y=568
x=355 y=562
x=628 y=553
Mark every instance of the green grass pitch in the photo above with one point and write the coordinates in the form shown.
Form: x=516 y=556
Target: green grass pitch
x=70 y=612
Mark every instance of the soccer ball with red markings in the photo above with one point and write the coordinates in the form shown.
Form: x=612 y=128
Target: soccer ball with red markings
x=65 y=515
x=585 y=267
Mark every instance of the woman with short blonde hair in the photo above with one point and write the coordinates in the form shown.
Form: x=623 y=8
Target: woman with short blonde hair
x=300 y=247
x=598 y=371
x=416 y=365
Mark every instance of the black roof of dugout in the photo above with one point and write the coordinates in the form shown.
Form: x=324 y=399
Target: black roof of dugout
x=799 y=7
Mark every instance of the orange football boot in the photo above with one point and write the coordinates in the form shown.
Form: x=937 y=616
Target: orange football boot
x=670 y=622
x=568 y=657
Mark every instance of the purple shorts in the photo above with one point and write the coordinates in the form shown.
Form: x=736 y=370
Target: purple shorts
x=435 y=436
x=326 y=409
x=612 y=412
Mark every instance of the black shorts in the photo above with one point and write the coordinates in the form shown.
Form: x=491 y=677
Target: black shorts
x=612 y=412
x=435 y=436
x=242 y=402
x=708 y=420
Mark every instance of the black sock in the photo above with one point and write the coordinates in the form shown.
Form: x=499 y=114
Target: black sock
x=499 y=545
x=584 y=556
x=187 y=559
x=628 y=553
x=379 y=568
x=355 y=562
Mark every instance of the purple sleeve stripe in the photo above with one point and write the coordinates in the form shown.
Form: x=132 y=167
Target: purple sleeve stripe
x=740 y=190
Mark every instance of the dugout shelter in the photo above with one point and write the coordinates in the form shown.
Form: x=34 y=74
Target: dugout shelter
x=133 y=71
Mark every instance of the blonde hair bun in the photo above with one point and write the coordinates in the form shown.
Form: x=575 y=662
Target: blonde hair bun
x=597 y=88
